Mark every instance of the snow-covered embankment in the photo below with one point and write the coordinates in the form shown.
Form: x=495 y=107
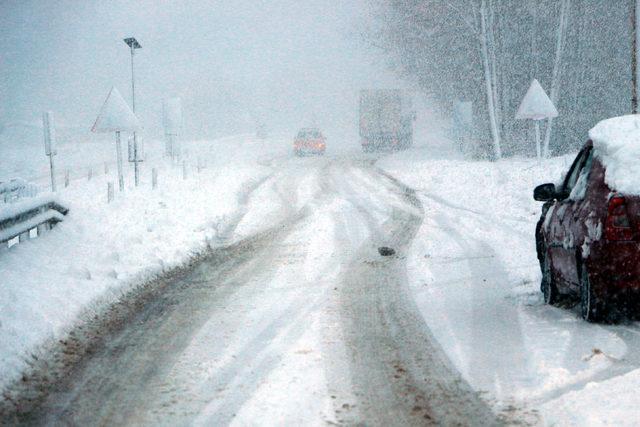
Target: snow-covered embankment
x=101 y=249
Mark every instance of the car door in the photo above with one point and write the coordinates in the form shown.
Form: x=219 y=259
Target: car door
x=563 y=238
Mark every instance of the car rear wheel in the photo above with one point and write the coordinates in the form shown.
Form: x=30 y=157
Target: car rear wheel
x=591 y=309
x=548 y=285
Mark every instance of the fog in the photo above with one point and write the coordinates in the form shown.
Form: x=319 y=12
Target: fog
x=286 y=63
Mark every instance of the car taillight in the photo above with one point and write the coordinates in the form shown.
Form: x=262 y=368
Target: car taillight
x=617 y=226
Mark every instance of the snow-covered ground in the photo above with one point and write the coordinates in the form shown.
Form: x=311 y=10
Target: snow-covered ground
x=475 y=277
x=472 y=270
x=101 y=249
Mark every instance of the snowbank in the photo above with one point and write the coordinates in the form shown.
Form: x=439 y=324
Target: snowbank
x=612 y=402
x=102 y=249
x=617 y=144
x=474 y=274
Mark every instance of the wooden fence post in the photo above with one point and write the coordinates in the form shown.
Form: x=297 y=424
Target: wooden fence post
x=90 y=174
x=66 y=178
x=154 y=178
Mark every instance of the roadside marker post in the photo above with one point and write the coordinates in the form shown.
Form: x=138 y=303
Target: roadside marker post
x=109 y=192
x=50 y=144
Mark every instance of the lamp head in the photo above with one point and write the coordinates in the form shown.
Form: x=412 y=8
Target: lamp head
x=132 y=42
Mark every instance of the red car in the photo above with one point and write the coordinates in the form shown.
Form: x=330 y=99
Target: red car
x=588 y=237
x=309 y=141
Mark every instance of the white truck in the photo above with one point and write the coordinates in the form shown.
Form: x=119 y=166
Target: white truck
x=386 y=120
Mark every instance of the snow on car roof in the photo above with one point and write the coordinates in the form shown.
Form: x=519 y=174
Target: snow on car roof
x=617 y=144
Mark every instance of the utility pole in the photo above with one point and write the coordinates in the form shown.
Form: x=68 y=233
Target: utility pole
x=133 y=45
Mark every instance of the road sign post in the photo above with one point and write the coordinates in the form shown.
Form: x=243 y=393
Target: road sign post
x=116 y=116
x=172 y=118
x=536 y=106
x=119 y=161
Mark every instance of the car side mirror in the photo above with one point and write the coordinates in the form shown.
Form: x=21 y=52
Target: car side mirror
x=545 y=192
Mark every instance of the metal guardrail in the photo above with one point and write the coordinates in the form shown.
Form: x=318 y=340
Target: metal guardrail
x=18 y=219
x=16 y=189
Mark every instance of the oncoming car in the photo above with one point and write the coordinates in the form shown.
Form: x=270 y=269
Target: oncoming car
x=588 y=237
x=309 y=141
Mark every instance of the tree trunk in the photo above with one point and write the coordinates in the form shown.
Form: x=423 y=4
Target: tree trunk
x=494 y=65
x=635 y=69
x=555 y=76
x=495 y=134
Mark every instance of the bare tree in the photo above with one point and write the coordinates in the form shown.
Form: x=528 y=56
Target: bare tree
x=557 y=63
x=487 y=52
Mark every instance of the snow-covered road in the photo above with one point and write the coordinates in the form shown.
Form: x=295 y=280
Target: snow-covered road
x=295 y=320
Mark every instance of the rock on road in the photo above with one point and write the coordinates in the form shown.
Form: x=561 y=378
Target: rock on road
x=300 y=323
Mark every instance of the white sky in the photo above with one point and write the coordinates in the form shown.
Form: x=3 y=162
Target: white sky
x=288 y=62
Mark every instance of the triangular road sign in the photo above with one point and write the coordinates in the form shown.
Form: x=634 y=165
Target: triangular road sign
x=536 y=105
x=115 y=115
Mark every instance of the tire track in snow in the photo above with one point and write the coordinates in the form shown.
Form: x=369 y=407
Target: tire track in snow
x=383 y=366
x=398 y=373
x=106 y=375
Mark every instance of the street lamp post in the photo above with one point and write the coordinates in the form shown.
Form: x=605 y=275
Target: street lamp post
x=133 y=45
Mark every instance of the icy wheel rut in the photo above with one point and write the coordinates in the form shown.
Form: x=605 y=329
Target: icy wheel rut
x=398 y=373
x=302 y=323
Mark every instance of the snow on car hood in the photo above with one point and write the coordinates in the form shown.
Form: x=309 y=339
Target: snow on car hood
x=617 y=145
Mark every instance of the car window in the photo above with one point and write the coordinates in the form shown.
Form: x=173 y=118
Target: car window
x=580 y=187
x=309 y=133
x=574 y=172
